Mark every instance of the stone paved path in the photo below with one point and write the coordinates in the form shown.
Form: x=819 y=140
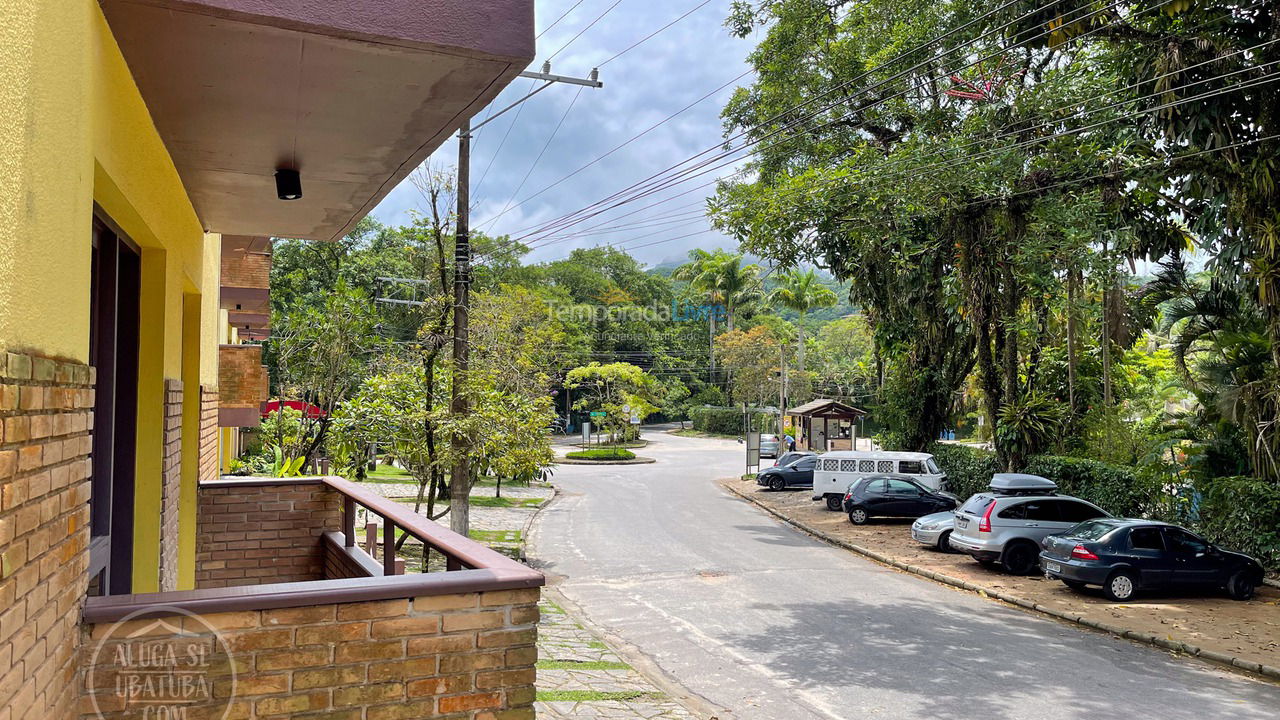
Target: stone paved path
x=580 y=677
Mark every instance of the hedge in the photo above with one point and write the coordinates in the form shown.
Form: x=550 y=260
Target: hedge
x=728 y=421
x=1238 y=513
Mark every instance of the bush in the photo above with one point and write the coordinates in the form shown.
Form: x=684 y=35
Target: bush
x=601 y=454
x=728 y=421
x=1115 y=488
x=1241 y=513
x=968 y=469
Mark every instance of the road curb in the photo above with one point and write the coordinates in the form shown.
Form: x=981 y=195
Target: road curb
x=1266 y=671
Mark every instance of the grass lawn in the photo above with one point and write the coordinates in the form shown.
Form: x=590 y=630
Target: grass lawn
x=601 y=454
x=700 y=434
x=389 y=474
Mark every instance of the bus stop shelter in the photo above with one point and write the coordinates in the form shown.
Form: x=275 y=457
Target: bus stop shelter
x=825 y=425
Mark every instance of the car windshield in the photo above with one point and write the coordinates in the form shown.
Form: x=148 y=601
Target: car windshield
x=977 y=504
x=933 y=466
x=1091 y=530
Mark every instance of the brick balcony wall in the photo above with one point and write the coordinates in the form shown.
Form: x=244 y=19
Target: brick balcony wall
x=242 y=378
x=461 y=656
x=171 y=485
x=208 y=434
x=242 y=269
x=46 y=415
x=252 y=533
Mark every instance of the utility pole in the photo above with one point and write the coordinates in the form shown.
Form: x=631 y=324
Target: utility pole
x=782 y=387
x=459 y=405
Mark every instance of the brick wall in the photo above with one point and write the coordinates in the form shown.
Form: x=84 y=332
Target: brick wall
x=170 y=485
x=46 y=414
x=249 y=533
x=242 y=380
x=243 y=269
x=467 y=656
x=208 y=434
x=341 y=562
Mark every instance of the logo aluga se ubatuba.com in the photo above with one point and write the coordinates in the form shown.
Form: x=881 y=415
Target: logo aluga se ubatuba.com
x=161 y=663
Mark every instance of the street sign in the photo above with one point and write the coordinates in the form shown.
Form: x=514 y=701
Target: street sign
x=635 y=419
x=586 y=434
x=597 y=413
x=626 y=408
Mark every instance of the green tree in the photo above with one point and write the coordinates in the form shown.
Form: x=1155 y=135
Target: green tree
x=617 y=389
x=802 y=292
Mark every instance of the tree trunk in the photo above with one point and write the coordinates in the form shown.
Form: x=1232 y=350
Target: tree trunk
x=800 y=346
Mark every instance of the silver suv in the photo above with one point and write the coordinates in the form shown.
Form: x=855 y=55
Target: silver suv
x=1007 y=524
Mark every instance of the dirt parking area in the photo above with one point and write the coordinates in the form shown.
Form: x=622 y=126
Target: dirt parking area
x=1246 y=630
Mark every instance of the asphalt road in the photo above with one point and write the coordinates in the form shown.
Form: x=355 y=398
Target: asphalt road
x=766 y=622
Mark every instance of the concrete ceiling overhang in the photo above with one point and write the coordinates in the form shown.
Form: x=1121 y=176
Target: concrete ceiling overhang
x=354 y=94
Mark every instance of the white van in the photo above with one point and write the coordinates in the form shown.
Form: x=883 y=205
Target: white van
x=836 y=470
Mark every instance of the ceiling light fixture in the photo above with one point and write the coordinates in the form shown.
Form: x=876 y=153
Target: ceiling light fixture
x=288 y=184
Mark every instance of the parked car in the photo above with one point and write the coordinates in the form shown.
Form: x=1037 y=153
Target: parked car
x=770 y=446
x=790 y=457
x=935 y=530
x=797 y=474
x=838 y=470
x=1124 y=556
x=1007 y=524
x=893 y=496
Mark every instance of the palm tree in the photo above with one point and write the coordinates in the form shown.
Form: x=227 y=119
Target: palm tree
x=724 y=281
x=802 y=291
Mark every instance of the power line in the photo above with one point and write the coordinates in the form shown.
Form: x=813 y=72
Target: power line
x=563 y=15
x=545 y=145
x=829 y=91
x=583 y=30
x=545 y=239
x=651 y=35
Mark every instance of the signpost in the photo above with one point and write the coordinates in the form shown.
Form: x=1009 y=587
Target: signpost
x=586 y=434
x=753 y=450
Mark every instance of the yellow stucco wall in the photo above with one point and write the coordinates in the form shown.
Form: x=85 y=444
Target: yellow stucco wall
x=46 y=176
x=75 y=132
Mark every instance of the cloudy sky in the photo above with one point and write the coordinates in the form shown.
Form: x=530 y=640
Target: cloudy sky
x=641 y=88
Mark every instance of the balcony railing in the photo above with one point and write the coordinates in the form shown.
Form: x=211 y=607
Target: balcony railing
x=302 y=617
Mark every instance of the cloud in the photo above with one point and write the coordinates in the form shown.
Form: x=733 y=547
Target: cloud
x=641 y=88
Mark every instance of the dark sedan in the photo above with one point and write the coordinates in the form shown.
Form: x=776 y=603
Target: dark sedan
x=893 y=496
x=796 y=474
x=1124 y=556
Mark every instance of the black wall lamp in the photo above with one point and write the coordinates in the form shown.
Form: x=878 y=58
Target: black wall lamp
x=288 y=184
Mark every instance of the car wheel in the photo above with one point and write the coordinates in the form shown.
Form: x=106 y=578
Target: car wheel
x=1074 y=585
x=777 y=484
x=1019 y=558
x=944 y=542
x=1241 y=585
x=835 y=502
x=858 y=516
x=1121 y=586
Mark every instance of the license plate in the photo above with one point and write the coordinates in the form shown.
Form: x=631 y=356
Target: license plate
x=962 y=522
x=1053 y=567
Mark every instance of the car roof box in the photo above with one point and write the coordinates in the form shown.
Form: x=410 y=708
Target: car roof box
x=1021 y=484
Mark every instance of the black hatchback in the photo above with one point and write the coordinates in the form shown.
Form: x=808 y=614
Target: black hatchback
x=1124 y=555
x=893 y=496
